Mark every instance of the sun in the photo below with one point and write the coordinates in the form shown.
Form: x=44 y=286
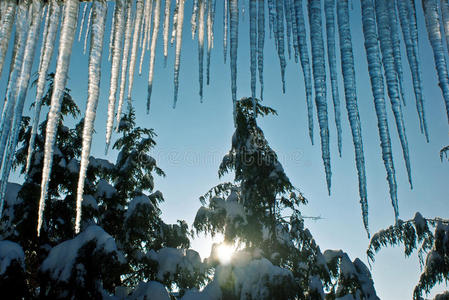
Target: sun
x=224 y=253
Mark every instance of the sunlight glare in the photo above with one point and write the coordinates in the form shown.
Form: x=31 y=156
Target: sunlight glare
x=224 y=253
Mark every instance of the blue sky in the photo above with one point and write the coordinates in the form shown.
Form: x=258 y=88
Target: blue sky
x=193 y=138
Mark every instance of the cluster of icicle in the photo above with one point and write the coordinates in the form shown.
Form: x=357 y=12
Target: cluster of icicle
x=136 y=25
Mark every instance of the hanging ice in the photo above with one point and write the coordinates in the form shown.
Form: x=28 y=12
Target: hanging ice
x=347 y=66
x=46 y=54
x=95 y=54
x=136 y=34
x=225 y=29
x=234 y=39
x=166 y=27
x=329 y=9
x=412 y=57
x=294 y=30
x=194 y=19
x=20 y=95
x=377 y=86
x=86 y=6
x=179 y=22
x=210 y=36
x=175 y=22
x=146 y=30
x=279 y=36
x=260 y=41
x=201 y=45
x=305 y=64
x=22 y=26
x=434 y=31
x=253 y=48
x=319 y=76
x=116 y=54
x=111 y=35
x=87 y=31
x=395 y=39
x=7 y=20
x=272 y=16
x=386 y=48
x=154 y=37
x=288 y=22
x=445 y=14
x=125 y=57
x=65 y=50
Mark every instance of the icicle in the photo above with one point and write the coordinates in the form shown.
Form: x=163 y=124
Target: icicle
x=288 y=21
x=175 y=22
x=210 y=36
x=20 y=95
x=8 y=15
x=45 y=32
x=347 y=65
x=272 y=16
x=234 y=39
x=156 y=20
x=193 y=21
x=434 y=31
x=179 y=22
x=125 y=57
x=132 y=62
x=412 y=57
x=201 y=13
x=260 y=41
x=329 y=8
x=225 y=29
x=386 y=48
x=294 y=31
x=149 y=24
x=395 y=39
x=119 y=17
x=279 y=36
x=253 y=48
x=377 y=86
x=22 y=26
x=146 y=33
x=305 y=64
x=166 y=28
x=111 y=36
x=87 y=31
x=86 y=6
x=67 y=36
x=319 y=76
x=96 y=49
x=47 y=53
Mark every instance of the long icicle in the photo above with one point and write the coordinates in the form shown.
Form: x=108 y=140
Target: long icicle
x=225 y=28
x=305 y=64
x=99 y=8
x=234 y=39
x=288 y=22
x=166 y=28
x=412 y=57
x=434 y=31
x=21 y=88
x=347 y=65
x=8 y=16
x=133 y=57
x=194 y=19
x=279 y=36
x=111 y=35
x=210 y=36
x=329 y=9
x=319 y=76
x=175 y=22
x=67 y=36
x=253 y=49
x=179 y=23
x=125 y=58
x=47 y=53
x=115 y=65
x=146 y=31
x=260 y=41
x=396 y=42
x=154 y=37
x=377 y=86
x=386 y=48
x=83 y=18
x=201 y=12
x=89 y=18
x=22 y=26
